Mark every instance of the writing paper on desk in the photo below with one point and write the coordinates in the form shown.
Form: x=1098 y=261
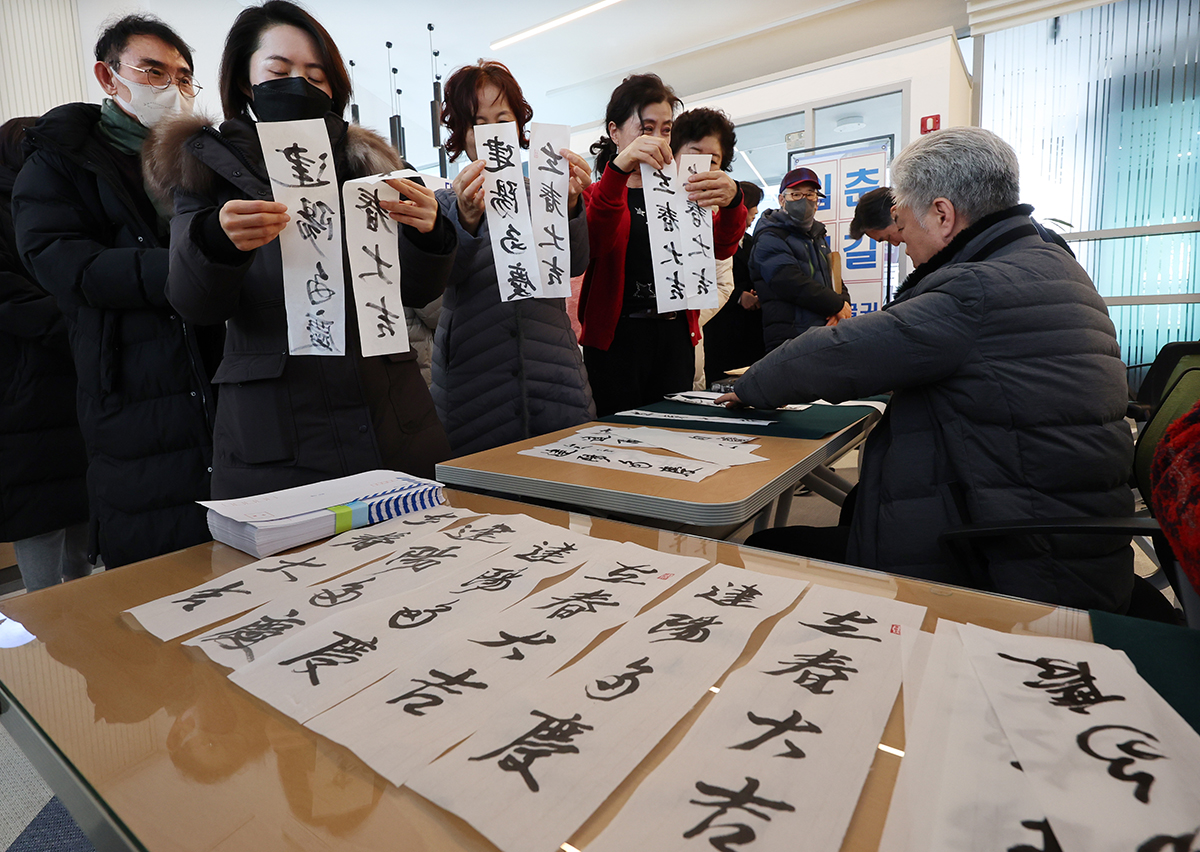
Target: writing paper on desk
x=635 y=461
x=660 y=415
x=549 y=177
x=258 y=583
x=1112 y=764
x=437 y=698
x=300 y=163
x=724 y=450
x=548 y=757
x=781 y=753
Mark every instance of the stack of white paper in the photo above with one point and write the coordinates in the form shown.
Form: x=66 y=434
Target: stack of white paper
x=264 y=524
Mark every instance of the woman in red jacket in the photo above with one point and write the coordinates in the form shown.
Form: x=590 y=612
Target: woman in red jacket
x=634 y=354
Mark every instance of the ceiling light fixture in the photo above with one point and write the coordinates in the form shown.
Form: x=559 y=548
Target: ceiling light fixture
x=849 y=123
x=551 y=24
x=750 y=163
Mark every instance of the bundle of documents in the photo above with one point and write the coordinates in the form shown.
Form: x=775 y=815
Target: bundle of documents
x=264 y=524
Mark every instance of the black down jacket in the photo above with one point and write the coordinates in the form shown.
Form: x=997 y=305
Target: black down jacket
x=283 y=420
x=42 y=460
x=1009 y=403
x=87 y=230
x=505 y=371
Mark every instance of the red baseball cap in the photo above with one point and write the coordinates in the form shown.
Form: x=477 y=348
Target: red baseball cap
x=796 y=176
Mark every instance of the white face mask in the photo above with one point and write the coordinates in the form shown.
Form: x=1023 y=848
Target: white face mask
x=148 y=104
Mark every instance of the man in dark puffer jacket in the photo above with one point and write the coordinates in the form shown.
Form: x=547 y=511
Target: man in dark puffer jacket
x=1009 y=391
x=89 y=232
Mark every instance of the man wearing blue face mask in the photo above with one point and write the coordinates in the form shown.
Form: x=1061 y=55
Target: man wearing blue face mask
x=92 y=236
x=790 y=264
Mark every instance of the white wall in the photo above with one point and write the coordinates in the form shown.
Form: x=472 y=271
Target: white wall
x=930 y=68
x=42 y=72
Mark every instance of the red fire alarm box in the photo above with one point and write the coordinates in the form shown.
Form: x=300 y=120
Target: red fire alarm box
x=929 y=123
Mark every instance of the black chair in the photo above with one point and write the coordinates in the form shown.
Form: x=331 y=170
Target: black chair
x=960 y=543
x=1168 y=365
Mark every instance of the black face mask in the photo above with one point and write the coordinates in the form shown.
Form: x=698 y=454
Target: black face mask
x=289 y=99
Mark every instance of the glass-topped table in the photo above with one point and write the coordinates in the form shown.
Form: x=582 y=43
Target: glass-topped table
x=153 y=748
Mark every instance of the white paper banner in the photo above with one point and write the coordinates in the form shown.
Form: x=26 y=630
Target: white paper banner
x=781 y=753
x=1111 y=763
x=514 y=246
x=550 y=176
x=610 y=458
x=300 y=164
x=666 y=212
x=373 y=250
x=258 y=583
x=701 y=269
x=434 y=700
x=551 y=755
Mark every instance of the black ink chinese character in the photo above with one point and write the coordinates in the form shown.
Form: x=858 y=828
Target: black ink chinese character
x=554 y=272
x=697 y=213
x=492 y=580
x=679 y=469
x=664 y=182
x=518 y=280
x=1130 y=753
x=669 y=217
x=728 y=800
x=349 y=592
x=500 y=153
x=557 y=241
x=1072 y=685
x=417 y=617
x=677 y=288
x=553 y=158
x=1049 y=841
x=636 y=465
x=539 y=638
x=195 y=599
x=577 y=603
x=625 y=574
x=385 y=319
x=843 y=625
x=547 y=552
x=627 y=682
x=364 y=540
x=444 y=682
x=467 y=532
x=550 y=736
x=777 y=727
x=420 y=557
x=313 y=221
x=429 y=519
x=704 y=249
x=738 y=596
x=552 y=197
x=318 y=291
x=685 y=628
x=702 y=282
x=242 y=638
x=810 y=666
x=368 y=202
x=676 y=256
x=302 y=165
x=342 y=651
x=511 y=241
x=320 y=331
x=285 y=564
x=380 y=265
x=504 y=199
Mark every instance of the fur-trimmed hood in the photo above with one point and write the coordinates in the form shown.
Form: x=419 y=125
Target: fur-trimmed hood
x=168 y=163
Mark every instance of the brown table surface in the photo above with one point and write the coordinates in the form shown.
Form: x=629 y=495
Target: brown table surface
x=729 y=496
x=187 y=761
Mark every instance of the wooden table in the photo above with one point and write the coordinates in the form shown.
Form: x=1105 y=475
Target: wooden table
x=727 y=498
x=151 y=748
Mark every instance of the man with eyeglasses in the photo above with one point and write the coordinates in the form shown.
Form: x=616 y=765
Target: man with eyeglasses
x=790 y=264
x=93 y=237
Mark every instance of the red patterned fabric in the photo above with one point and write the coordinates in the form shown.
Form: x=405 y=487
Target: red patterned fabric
x=1175 y=490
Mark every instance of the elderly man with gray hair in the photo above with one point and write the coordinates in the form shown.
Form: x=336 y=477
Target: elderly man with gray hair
x=1008 y=391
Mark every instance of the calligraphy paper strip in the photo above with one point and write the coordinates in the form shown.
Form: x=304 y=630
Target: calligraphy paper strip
x=550 y=176
x=701 y=259
x=630 y=460
x=781 y=753
x=300 y=163
x=1113 y=766
x=710 y=448
x=514 y=248
x=399 y=724
x=551 y=755
x=373 y=250
x=666 y=205
x=960 y=788
x=258 y=583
